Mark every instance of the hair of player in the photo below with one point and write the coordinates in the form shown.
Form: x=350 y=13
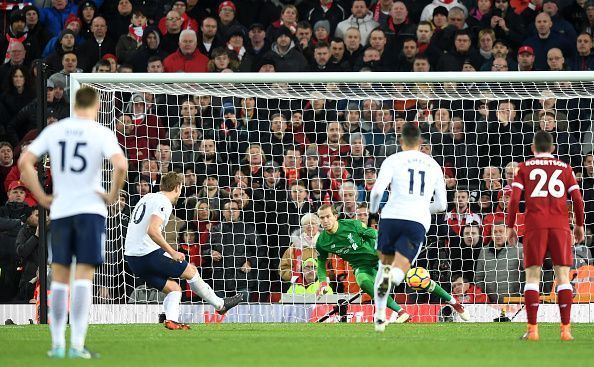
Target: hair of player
x=328 y=206
x=543 y=141
x=410 y=134
x=85 y=98
x=170 y=181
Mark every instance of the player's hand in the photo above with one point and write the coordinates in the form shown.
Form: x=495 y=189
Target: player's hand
x=45 y=200
x=512 y=236
x=323 y=289
x=578 y=234
x=178 y=256
x=216 y=256
x=246 y=267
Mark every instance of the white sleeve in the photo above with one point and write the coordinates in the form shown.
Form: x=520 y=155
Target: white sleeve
x=381 y=183
x=39 y=146
x=161 y=208
x=440 y=197
x=110 y=146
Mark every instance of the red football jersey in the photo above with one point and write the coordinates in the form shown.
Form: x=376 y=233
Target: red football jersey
x=546 y=182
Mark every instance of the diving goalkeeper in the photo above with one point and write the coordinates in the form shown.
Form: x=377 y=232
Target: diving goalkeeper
x=355 y=243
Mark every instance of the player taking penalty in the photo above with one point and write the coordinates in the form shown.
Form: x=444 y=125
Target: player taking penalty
x=547 y=182
x=76 y=147
x=355 y=243
x=414 y=178
x=151 y=258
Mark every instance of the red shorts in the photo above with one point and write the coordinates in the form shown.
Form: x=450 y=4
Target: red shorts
x=557 y=242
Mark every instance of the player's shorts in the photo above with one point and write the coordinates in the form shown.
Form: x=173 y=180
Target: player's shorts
x=403 y=236
x=156 y=268
x=82 y=236
x=557 y=242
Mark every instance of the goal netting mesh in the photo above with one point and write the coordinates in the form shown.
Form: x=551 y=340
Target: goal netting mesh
x=260 y=158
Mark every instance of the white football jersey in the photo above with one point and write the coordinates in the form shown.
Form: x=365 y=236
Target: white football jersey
x=414 y=178
x=138 y=242
x=76 y=148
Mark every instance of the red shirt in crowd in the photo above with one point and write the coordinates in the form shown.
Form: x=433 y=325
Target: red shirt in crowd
x=178 y=62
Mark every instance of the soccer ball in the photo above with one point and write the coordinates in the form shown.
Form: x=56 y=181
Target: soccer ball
x=418 y=278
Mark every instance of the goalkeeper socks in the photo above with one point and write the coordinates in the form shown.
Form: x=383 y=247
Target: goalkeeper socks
x=436 y=289
x=531 y=300
x=171 y=305
x=58 y=313
x=82 y=298
x=397 y=276
x=565 y=299
x=204 y=291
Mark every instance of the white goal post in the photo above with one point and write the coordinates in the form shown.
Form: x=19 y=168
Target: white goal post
x=475 y=124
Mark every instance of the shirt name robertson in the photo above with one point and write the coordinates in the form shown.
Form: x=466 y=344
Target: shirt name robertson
x=545 y=162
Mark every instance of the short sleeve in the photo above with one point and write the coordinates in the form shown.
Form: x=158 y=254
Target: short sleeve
x=162 y=209
x=39 y=146
x=519 y=177
x=571 y=181
x=110 y=146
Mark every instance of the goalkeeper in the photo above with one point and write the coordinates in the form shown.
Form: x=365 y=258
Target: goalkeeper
x=355 y=243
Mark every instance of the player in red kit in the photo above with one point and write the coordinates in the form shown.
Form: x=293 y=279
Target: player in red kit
x=546 y=181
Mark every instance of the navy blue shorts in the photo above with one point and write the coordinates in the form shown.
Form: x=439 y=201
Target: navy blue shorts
x=82 y=236
x=403 y=236
x=156 y=268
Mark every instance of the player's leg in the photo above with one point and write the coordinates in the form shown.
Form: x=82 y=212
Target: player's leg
x=535 y=245
x=560 y=248
x=365 y=278
x=204 y=291
x=61 y=242
x=171 y=304
x=89 y=248
x=382 y=284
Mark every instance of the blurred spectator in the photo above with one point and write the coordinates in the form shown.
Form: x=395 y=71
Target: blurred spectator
x=67 y=40
x=170 y=40
x=207 y=38
x=499 y=266
x=382 y=11
x=53 y=17
x=298 y=204
x=16 y=57
x=36 y=30
x=461 y=215
x=187 y=58
x=585 y=56
x=560 y=25
x=464 y=250
x=500 y=213
x=12 y=216
x=28 y=251
x=567 y=147
x=6 y=163
x=151 y=47
x=506 y=23
x=354 y=49
x=233 y=246
x=222 y=59
x=188 y=150
x=510 y=172
x=162 y=154
x=463 y=50
x=428 y=11
x=18 y=91
x=555 y=60
x=361 y=18
x=321 y=32
x=227 y=18
x=303 y=246
x=329 y=10
x=87 y=10
x=180 y=6
x=545 y=39
x=526 y=58
x=257 y=45
x=347 y=205
x=135 y=145
x=466 y=292
x=292 y=165
x=277 y=140
x=97 y=46
x=308 y=282
x=288 y=18
x=504 y=137
x=132 y=41
x=335 y=147
x=147 y=122
x=359 y=158
x=284 y=53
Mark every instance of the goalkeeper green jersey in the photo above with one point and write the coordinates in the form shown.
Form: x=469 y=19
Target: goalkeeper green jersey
x=352 y=242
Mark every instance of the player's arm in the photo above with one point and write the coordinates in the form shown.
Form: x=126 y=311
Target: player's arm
x=365 y=232
x=154 y=232
x=26 y=165
x=321 y=270
x=514 y=205
x=578 y=208
x=440 y=196
x=383 y=180
x=120 y=169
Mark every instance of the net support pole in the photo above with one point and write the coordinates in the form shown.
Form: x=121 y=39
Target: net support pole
x=41 y=123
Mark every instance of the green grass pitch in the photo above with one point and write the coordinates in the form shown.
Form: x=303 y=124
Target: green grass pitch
x=287 y=345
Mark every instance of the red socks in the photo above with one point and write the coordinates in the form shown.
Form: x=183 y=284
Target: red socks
x=565 y=299
x=531 y=299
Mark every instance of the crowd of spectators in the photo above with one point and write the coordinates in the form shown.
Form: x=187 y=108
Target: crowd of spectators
x=256 y=169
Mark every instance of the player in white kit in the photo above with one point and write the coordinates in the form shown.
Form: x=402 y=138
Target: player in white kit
x=77 y=147
x=415 y=179
x=151 y=258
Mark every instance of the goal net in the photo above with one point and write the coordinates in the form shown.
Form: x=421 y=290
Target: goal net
x=261 y=153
